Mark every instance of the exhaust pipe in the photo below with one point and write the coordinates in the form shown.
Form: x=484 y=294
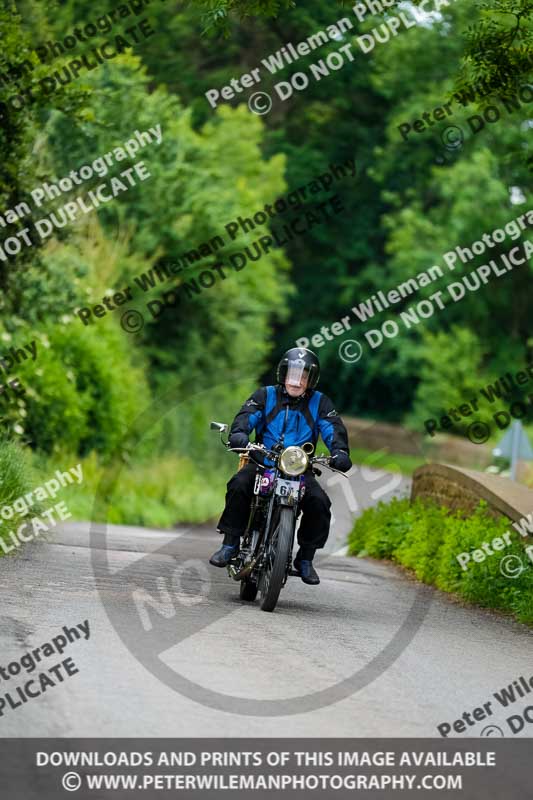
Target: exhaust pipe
x=244 y=572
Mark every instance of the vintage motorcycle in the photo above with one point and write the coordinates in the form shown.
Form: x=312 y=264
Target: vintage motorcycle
x=264 y=561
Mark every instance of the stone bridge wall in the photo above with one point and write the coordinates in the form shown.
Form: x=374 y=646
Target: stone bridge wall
x=456 y=488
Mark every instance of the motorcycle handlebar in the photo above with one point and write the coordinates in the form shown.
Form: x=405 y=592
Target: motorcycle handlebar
x=324 y=460
x=262 y=448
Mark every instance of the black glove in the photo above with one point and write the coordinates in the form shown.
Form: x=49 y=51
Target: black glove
x=341 y=461
x=238 y=440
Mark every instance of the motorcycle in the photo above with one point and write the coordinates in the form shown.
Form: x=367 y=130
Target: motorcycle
x=264 y=561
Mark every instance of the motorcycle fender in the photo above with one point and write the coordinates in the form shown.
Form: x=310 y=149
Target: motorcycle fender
x=287 y=501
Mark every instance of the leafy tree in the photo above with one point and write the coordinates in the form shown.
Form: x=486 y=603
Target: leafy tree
x=193 y=192
x=439 y=199
x=412 y=200
x=499 y=46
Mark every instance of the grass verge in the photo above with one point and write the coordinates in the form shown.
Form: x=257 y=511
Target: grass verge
x=156 y=493
x=153 y=494
x=426 y=538
x=17 y=477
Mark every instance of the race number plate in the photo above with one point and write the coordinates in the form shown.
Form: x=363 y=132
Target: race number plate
x=288 y=489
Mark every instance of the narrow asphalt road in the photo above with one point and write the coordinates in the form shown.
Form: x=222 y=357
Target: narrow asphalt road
x=172 y=651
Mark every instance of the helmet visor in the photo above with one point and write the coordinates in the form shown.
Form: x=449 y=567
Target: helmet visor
x=296 y=371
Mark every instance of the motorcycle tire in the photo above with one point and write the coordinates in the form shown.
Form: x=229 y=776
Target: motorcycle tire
x=271 y=583
x=248 y=590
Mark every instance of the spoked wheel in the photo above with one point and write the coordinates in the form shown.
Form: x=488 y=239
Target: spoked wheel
x=248 y=590
x=276 y=561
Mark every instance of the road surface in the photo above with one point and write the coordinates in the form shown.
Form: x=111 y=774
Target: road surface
x=369 y=652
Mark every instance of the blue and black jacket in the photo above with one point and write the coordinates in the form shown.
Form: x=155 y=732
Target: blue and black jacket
x=271 y=411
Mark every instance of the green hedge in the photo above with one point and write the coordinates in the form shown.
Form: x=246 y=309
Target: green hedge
x=16 y=479
x=158 y=493
x=427 y=538
x=82 y=392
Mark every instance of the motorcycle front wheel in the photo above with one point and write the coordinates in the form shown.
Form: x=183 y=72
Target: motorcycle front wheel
x=275 y=568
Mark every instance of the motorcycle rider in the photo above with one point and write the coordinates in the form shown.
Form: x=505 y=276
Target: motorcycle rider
x=295 y=409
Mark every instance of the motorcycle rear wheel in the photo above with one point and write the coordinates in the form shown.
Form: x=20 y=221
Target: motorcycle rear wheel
x=274 y=574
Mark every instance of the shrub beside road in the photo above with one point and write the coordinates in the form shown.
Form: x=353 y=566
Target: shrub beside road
x=426 y=538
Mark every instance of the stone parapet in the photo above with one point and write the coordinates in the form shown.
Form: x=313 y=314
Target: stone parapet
x=459 y=488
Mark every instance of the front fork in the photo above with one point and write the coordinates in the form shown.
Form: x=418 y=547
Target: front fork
x=272 y=522
x=296 y=511
x=256 y=548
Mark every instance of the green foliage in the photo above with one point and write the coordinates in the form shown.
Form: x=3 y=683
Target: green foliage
x=16 y=478
x=216 y=13
x=433 y=209
x=449 y=373
x=500 y=45
x=82 y=391
x=426 y=538
x=379 y=530
x=89 y=383
x=333 y=120
x=207 y=352
x=193 y=191
x=156 y=493
x=402 y=212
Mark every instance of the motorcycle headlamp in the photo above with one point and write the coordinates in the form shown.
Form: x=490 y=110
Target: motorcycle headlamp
x=293 y=461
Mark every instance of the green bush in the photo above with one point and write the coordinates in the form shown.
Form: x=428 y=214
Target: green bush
x=379 y=530
x=16 y=479
x=82 y=392
x=156 y=493
x=427 y=538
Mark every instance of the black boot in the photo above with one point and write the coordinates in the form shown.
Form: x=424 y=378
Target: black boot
x=229 y=550
x=305 y=567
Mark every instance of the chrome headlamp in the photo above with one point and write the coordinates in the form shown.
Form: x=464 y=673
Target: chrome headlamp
x=293 y=461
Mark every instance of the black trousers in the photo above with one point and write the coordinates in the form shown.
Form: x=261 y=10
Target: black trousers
x=314 y=527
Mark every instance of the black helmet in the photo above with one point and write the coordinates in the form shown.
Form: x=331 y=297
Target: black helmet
x=303 y=358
